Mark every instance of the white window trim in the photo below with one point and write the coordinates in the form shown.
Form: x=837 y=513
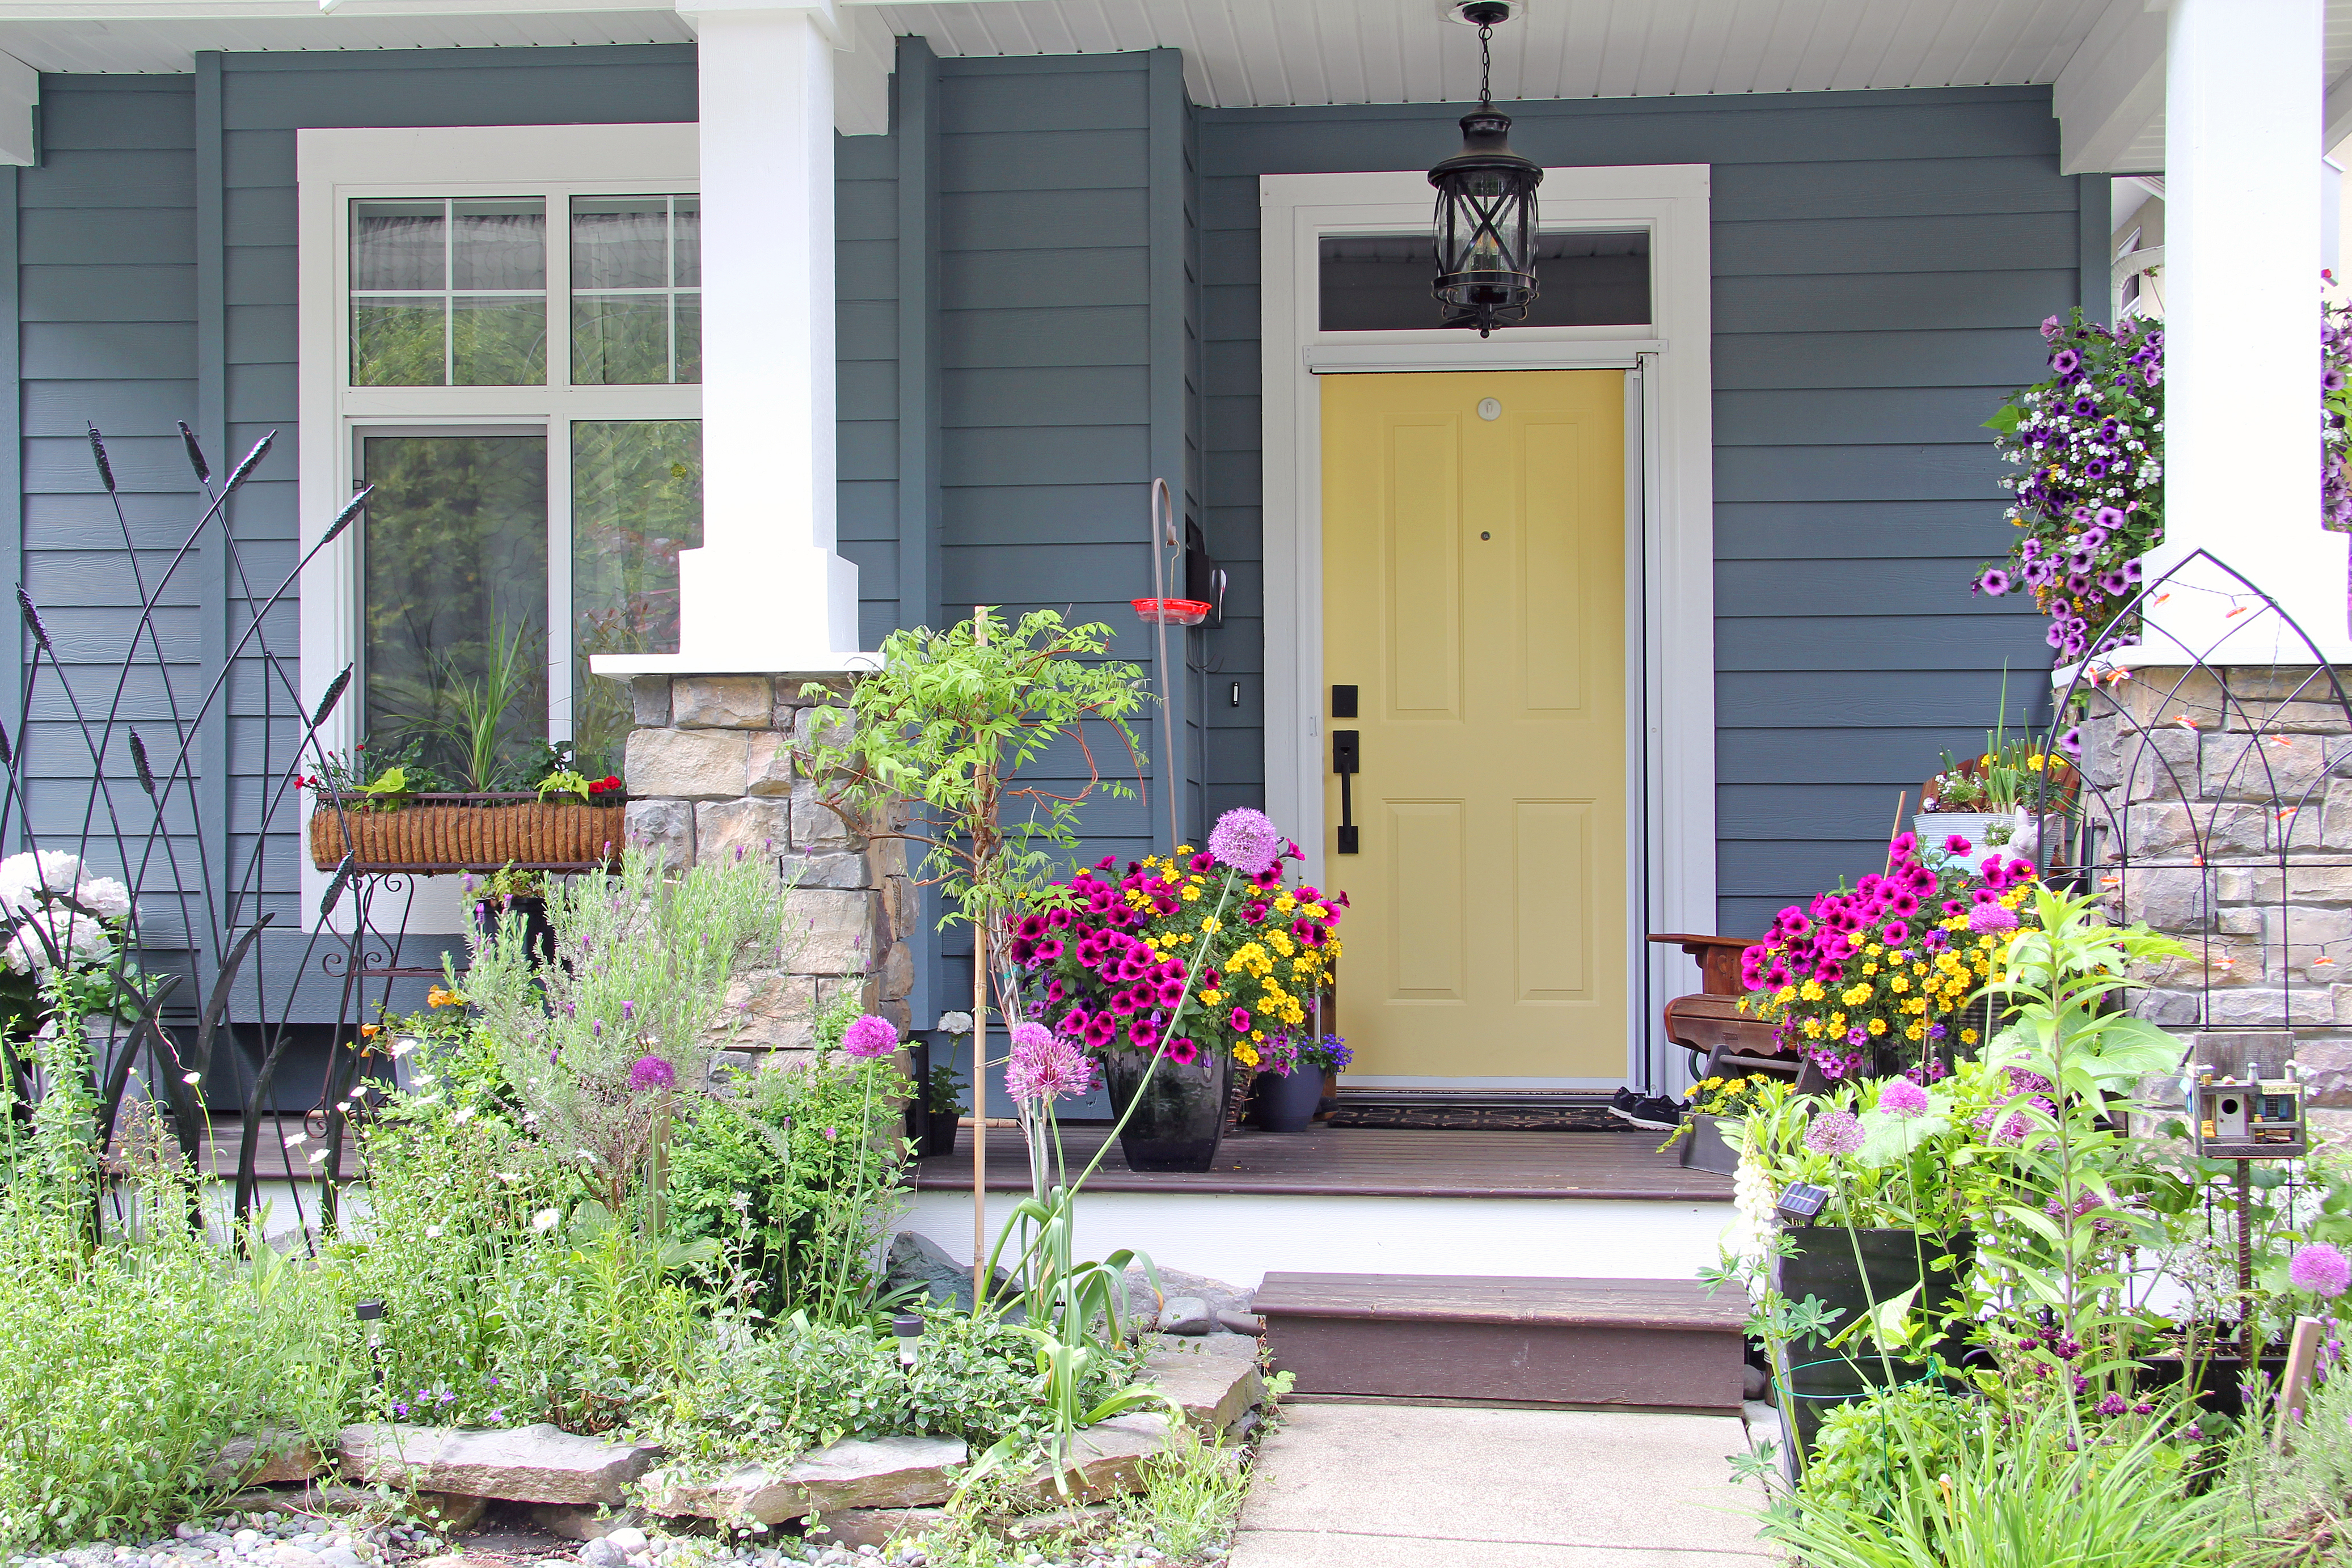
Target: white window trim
x=333 y=167
x=1670 y=503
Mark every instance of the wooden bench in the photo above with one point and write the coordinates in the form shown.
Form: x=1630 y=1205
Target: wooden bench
x=1722 y=1040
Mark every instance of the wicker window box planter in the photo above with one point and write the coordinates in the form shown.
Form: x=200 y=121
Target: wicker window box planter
x=469 y=832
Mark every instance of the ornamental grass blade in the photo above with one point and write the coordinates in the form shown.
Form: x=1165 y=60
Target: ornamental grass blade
x=138 y=761
x=352 y=508
x=33 y=620
x=334 y=695
x=195 y=453
x=260 y=450
x=98 y=453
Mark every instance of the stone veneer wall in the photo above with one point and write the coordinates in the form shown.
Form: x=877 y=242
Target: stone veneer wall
x=712 y=772
x=2226 y=800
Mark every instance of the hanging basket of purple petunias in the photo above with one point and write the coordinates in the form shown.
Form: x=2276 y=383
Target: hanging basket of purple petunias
x=2089 y=444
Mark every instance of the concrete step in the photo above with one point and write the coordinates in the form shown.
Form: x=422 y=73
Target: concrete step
x=1645 y=1343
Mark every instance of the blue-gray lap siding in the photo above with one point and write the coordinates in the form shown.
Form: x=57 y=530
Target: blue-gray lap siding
x=1881 y=262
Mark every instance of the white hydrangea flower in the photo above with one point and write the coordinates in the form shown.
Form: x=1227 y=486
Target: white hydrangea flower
x=75 y=937
x=104 y=897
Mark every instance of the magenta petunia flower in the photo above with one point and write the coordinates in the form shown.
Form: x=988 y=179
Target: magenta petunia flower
x=650 y=1073
x=1834 y=1133
x=1993 y=583
x=1895 y=932
x=2321 y=1268
x=1182 y=1052
x=1246 y=841
x=869 y=1037
x=1957 y=845
x=1901 y=1097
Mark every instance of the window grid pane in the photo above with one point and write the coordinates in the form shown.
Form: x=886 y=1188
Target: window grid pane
x=636 y=294
x=636 y=501
x=448 y=293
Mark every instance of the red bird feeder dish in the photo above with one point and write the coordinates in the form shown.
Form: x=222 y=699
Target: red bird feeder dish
x=1172 y=612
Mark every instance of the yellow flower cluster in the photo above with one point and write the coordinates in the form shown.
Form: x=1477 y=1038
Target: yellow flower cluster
x=1272 y=974
x=1906 y=989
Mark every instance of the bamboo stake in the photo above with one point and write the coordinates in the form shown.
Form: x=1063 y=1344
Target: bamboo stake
x=2302 y=1356
x=978 y=1058
x=1901 y=800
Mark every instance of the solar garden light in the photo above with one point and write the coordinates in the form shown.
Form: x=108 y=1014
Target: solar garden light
x=372 y=1313
x=909 y=1328
x=1802 y=1202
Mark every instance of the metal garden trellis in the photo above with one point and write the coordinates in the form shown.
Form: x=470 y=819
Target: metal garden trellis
x=198 y=927
x=2209 y=777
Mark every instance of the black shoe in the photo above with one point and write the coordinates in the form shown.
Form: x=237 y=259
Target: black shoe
x=1621 y=1103
x=1658 y=1112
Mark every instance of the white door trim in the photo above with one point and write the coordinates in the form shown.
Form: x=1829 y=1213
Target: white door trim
x=1670 y=643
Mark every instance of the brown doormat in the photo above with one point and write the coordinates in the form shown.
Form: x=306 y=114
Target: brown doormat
x=1487 y=1118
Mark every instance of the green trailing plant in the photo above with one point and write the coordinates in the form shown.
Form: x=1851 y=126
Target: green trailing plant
x=1191 y=1496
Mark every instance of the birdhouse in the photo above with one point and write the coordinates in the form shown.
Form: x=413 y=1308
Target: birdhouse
x=2248 y=1118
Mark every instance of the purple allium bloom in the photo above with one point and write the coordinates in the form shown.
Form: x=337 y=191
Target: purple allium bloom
x=649 y=1073
x=2321 y=1268
x=1985 y=919
x=869 y=1036
x=1901 y=1097
x=2113 y=1405
x=1046 y=1067
x=1246 y=841
x=1994 y=582
x=1834 y=1133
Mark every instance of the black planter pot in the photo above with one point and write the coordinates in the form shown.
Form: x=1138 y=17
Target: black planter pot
x=1287 y=1104
x=2220 y=1390
x=1704 y=1149
x=1181 y=1118
x=537 y=932
x=940 y=1129
x=1819 y=1377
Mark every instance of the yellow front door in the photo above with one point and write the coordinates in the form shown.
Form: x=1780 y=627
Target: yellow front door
x=1473 y=593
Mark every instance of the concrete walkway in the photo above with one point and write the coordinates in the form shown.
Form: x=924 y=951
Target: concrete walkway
x=1391 y=1486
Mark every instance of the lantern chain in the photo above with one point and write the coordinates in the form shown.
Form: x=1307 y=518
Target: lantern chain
x=1485 y=64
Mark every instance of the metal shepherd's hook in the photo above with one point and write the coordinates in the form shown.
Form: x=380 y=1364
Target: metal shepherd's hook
x=1165 y=537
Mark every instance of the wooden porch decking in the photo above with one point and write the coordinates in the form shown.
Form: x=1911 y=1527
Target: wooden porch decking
x=1367 y=1162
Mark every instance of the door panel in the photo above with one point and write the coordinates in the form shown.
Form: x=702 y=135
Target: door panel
x=1474 y=592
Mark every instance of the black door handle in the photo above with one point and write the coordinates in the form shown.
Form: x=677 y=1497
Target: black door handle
x=1344 y=759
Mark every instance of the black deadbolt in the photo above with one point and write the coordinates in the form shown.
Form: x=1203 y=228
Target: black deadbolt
x=1343 y=702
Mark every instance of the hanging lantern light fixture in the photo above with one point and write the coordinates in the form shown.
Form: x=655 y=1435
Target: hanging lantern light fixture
x=1486 y=206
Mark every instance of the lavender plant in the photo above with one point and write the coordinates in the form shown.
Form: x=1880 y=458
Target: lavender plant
x=603 y=1045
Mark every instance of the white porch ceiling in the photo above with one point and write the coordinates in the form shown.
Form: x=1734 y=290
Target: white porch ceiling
x=2104 y=56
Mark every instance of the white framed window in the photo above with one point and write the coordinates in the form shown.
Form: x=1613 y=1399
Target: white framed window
x=499 y=328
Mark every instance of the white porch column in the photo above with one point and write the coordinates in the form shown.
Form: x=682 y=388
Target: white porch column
x=766 y=591
x=2244 y=85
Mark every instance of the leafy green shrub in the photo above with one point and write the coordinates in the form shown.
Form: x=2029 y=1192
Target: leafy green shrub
x=797 y=1177
x=1849 y=1468
x=802 y=1385
x=125 y=1365
x=508 y=1298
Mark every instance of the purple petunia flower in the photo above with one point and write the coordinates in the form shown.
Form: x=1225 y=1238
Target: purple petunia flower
x=1246 y=841
x=1994 y=582
x=1835 y=1133
x=2321 y=1268
x=869 y=1036
x=2109 y=518
x=2065 y=361
x=648 y=1072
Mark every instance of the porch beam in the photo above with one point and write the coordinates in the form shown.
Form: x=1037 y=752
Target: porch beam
x=767 y=591
x=2243 y=94
x=20 y=113
x=2110 y=95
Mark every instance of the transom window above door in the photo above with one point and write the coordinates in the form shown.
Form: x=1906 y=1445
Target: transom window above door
x=452 y=292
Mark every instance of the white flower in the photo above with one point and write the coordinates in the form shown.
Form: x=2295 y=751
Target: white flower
x=432 y=1233
x=545 y=1220
x=315 y=1155
x=465 y=1114
x=741 y=1202
x=297 y=1140
x=104 y=897
x=401 y=1046
x=75 y=937
x=955 y=1023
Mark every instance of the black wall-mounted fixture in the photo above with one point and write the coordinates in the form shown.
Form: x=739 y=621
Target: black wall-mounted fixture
x=1345 y=758
x=1205 y=580
x=1343 y=702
